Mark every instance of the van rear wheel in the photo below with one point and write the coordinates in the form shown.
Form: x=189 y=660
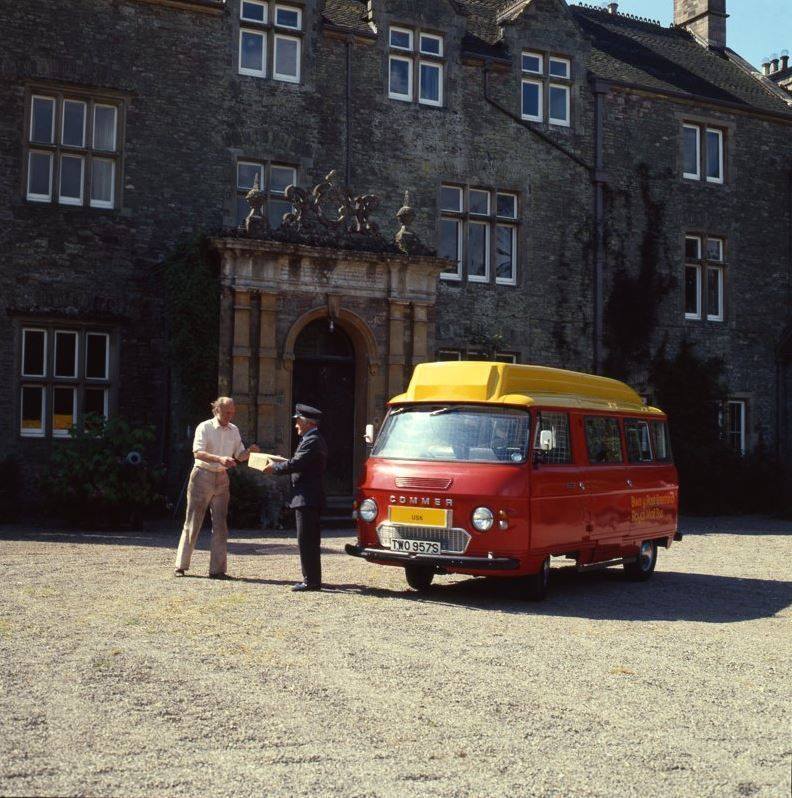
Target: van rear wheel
x=419 y=577
x=643 y=566
x=534 y=586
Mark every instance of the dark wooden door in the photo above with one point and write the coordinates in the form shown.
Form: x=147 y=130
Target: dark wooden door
x=324 y=377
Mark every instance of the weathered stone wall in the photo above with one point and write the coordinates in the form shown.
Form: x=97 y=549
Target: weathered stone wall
x=190 y=116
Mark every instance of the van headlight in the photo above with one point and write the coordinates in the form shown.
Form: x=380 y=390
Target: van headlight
x=483 y=519
x=368 y=510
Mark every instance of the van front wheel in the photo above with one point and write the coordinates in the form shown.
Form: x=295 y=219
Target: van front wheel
x=534 y=586
x=418 y=577
x=643 y=566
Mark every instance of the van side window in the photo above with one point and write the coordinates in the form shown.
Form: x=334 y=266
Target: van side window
x=660 y=442
x=603 y=440
x=636 y=433
x=561 y=450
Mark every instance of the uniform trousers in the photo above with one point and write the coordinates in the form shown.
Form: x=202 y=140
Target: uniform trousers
x=309 y=540
x=207 y=490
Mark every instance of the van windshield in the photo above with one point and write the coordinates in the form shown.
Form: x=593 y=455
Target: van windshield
x=461 y=433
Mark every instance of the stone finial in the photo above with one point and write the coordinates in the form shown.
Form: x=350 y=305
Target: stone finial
x=255 y=222
x=406 y=240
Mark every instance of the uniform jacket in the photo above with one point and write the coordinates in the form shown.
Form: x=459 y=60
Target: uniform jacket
x=307 y=468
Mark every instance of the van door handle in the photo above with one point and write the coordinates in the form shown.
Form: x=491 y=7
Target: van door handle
x=582 y=485
x=629 y=483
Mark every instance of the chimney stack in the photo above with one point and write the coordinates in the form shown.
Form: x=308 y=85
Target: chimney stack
x=784 y=59
x=613 y=8
x=774 y=63
x=703 y=18
x=766 y=65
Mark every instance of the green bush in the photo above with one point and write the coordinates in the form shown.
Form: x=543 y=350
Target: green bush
x=101 y=477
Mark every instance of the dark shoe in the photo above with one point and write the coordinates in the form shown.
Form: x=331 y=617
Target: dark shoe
x=220 y=576
x=302 y=587
x=179 y=572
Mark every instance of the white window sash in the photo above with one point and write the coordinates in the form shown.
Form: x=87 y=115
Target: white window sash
x=64 y=433
x=565 y=61
x=480 y=278
x=697 y=315
x=719 y=177
x=106 y=203
x=76 y=340
x=457 y=275
x=458 y=192
x=293 y=10
x=428 y=101
x=433 y=37
x=489 y=202
x=395 y=95
x=282 y=75
x=25 y=331
x=538 y=116
x=115 y=127
x=106 y=377
x=33 y=432
x=30 y=194
x=511 y=196
x=513 y=232
x=51 y=101
x=72 y=200
x=740 y=404
x=697 y=239
x=525 y=71
x=242 y=16
x=259 y=167
x=396 y=29
x=457 y=354
x=84 y=122
x=718 y=270
x=567 y=102
x=257 y=73
x=697 y=174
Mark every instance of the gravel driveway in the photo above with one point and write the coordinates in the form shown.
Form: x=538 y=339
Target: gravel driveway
x=118 y=680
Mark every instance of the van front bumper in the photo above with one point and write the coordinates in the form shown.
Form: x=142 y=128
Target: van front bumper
x=435 y=560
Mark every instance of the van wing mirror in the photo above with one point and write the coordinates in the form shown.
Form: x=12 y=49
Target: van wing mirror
x=369 y=434
x=546 y=440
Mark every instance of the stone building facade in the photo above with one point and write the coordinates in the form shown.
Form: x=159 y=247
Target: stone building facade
x=550 y=149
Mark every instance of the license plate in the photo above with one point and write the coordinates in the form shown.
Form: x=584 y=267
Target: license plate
x=420 y=516
x=416 y=546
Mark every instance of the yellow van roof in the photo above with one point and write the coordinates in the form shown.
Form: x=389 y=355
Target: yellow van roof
x=525 y=386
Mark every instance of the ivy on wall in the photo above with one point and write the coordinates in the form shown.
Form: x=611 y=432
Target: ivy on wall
x=191 y=282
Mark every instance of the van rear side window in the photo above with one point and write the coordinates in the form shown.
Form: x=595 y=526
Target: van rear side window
x=560 y=452
x=636 y=433
x=603 y=440
x=660 y=441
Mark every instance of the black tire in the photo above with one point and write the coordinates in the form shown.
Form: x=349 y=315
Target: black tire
x=419 y=577
x=534 y=586
x=644 y=565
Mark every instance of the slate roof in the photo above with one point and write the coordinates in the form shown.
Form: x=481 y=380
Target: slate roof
x=625 y=49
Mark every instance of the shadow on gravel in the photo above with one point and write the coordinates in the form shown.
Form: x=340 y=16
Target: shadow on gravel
x=606 y=595
x=740 y=525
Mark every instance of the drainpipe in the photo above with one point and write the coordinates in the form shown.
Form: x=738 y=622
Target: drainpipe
x=348 y=123
x=598 y=180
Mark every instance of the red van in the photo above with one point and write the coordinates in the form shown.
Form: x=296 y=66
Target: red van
x=491 y=469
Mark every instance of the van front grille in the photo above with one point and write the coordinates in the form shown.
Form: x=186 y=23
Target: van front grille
x=452 y=541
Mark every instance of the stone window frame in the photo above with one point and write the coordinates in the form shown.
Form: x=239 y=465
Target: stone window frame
x=493 y=222
x=705 y=266
x=546 y=81
x=270 y=32
x=47 y=381
x=737 y=439
x=705 y=128
x=91 y=98
x=417 y=58
x=265 y=165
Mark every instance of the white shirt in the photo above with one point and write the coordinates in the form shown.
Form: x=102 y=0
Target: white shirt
x=213 y=438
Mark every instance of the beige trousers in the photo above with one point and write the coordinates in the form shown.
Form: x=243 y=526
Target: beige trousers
x=207 y=489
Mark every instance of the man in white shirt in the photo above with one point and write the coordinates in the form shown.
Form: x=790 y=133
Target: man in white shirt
x=217 y=446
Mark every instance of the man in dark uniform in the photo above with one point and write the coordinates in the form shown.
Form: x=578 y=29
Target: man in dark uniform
x=307 y=468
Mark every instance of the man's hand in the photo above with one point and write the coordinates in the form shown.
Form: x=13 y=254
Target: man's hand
x=228 y=462
x=268 y=468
